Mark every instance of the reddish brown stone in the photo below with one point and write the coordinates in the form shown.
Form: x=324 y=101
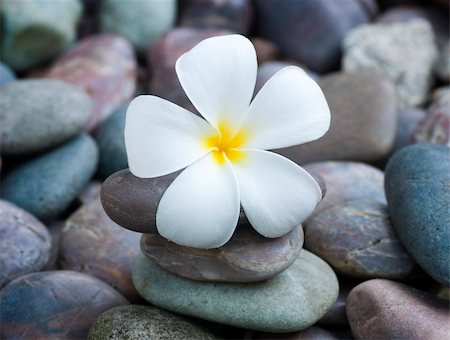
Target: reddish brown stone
x=105 y=67
x=383 y=309
x=247 y=257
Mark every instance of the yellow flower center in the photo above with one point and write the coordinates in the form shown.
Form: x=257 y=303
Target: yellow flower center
x=226 y=144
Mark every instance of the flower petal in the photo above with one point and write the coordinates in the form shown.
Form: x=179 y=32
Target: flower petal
x=201 y=207
x=161 y=137
x=276 y=193
x=290 y=109
x=219 y=75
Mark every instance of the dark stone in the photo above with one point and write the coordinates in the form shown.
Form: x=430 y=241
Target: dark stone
x=38 y=114
x=24 y=243
x=247 y=257
x=135 y=322
x=336 y=316
x=265 y=50
x=54 y=305
x=382 y=309
x=46 y=185
x=105 y=67
x=311 y=31
x=363 y=120
x=417 y=188
x=311 y=333
x=408 y=119
x=234 y=15
x=93 y=244
x=357 y=239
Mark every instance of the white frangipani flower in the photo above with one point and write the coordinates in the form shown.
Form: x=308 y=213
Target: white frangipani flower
x=224 y=155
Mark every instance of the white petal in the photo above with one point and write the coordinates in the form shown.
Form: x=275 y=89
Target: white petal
x=161 y=137
x=276 y=194
x=290 y=109
x=219 y=75
x=201 y=207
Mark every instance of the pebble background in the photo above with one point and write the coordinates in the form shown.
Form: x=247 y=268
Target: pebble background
x=80 y=256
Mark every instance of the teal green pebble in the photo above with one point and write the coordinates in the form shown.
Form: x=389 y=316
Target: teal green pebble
x=141 y=22
x=111 y=143
x=33 y=32
x=293 y=300
x=46 y=185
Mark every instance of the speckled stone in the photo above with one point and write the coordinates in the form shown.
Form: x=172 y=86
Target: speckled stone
x=311 y=31
x=105 y=67
x=417 y=188
x=24 y=243
x=46 y=185
x=311 y=333
x=357 y=239
x=56 y=304
x=247 y=257
x=234 y=15
x=363 y=125
x=435 y=126
x=36 y=31
x=38 y=114
x=163 y=56
x=93 y=244
x=6 y=74
x=111 y=143
x=291 y=301
x=382 y=309
x=141 y=22
x=403 y=52
x=135 y=322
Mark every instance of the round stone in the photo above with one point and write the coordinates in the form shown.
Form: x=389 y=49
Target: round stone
x=46 y=185
x=105 y=67
x=382 y=309
x=417 y=188
x=362 y=126
x=38 y=114
x=111 y=143
x=247 y=257
x=24 y=243
x=36 y=31
x=141 y=22
x=135 y=322
x=357 y=239
x=92 y=243
x=291 y=301
x=55 y=304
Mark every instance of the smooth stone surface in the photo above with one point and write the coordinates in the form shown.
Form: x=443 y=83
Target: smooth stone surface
x=247 y=257
x=363 y=125
x=403 y=52
x=24 y=243
x=348 y=181
x=6 y=74
x=111 y=143
x=54 y=305
x=46 y=185
x=382 y=309
x=435 y=126
x=417 y=188
x=105 y=67
x=291 y=301
x=163 y=56
x=135 y=322
x=357 y=239
x=234 y=15
x=38 y=114
x=289 y=23
x=36 y=31
x=311 y=333
x=93 y=244
x=141 y=22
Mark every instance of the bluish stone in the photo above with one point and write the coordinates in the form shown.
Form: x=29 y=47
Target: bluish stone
x=111 y=143
x=6 y=74
x=46 y=185
x=417 y=186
